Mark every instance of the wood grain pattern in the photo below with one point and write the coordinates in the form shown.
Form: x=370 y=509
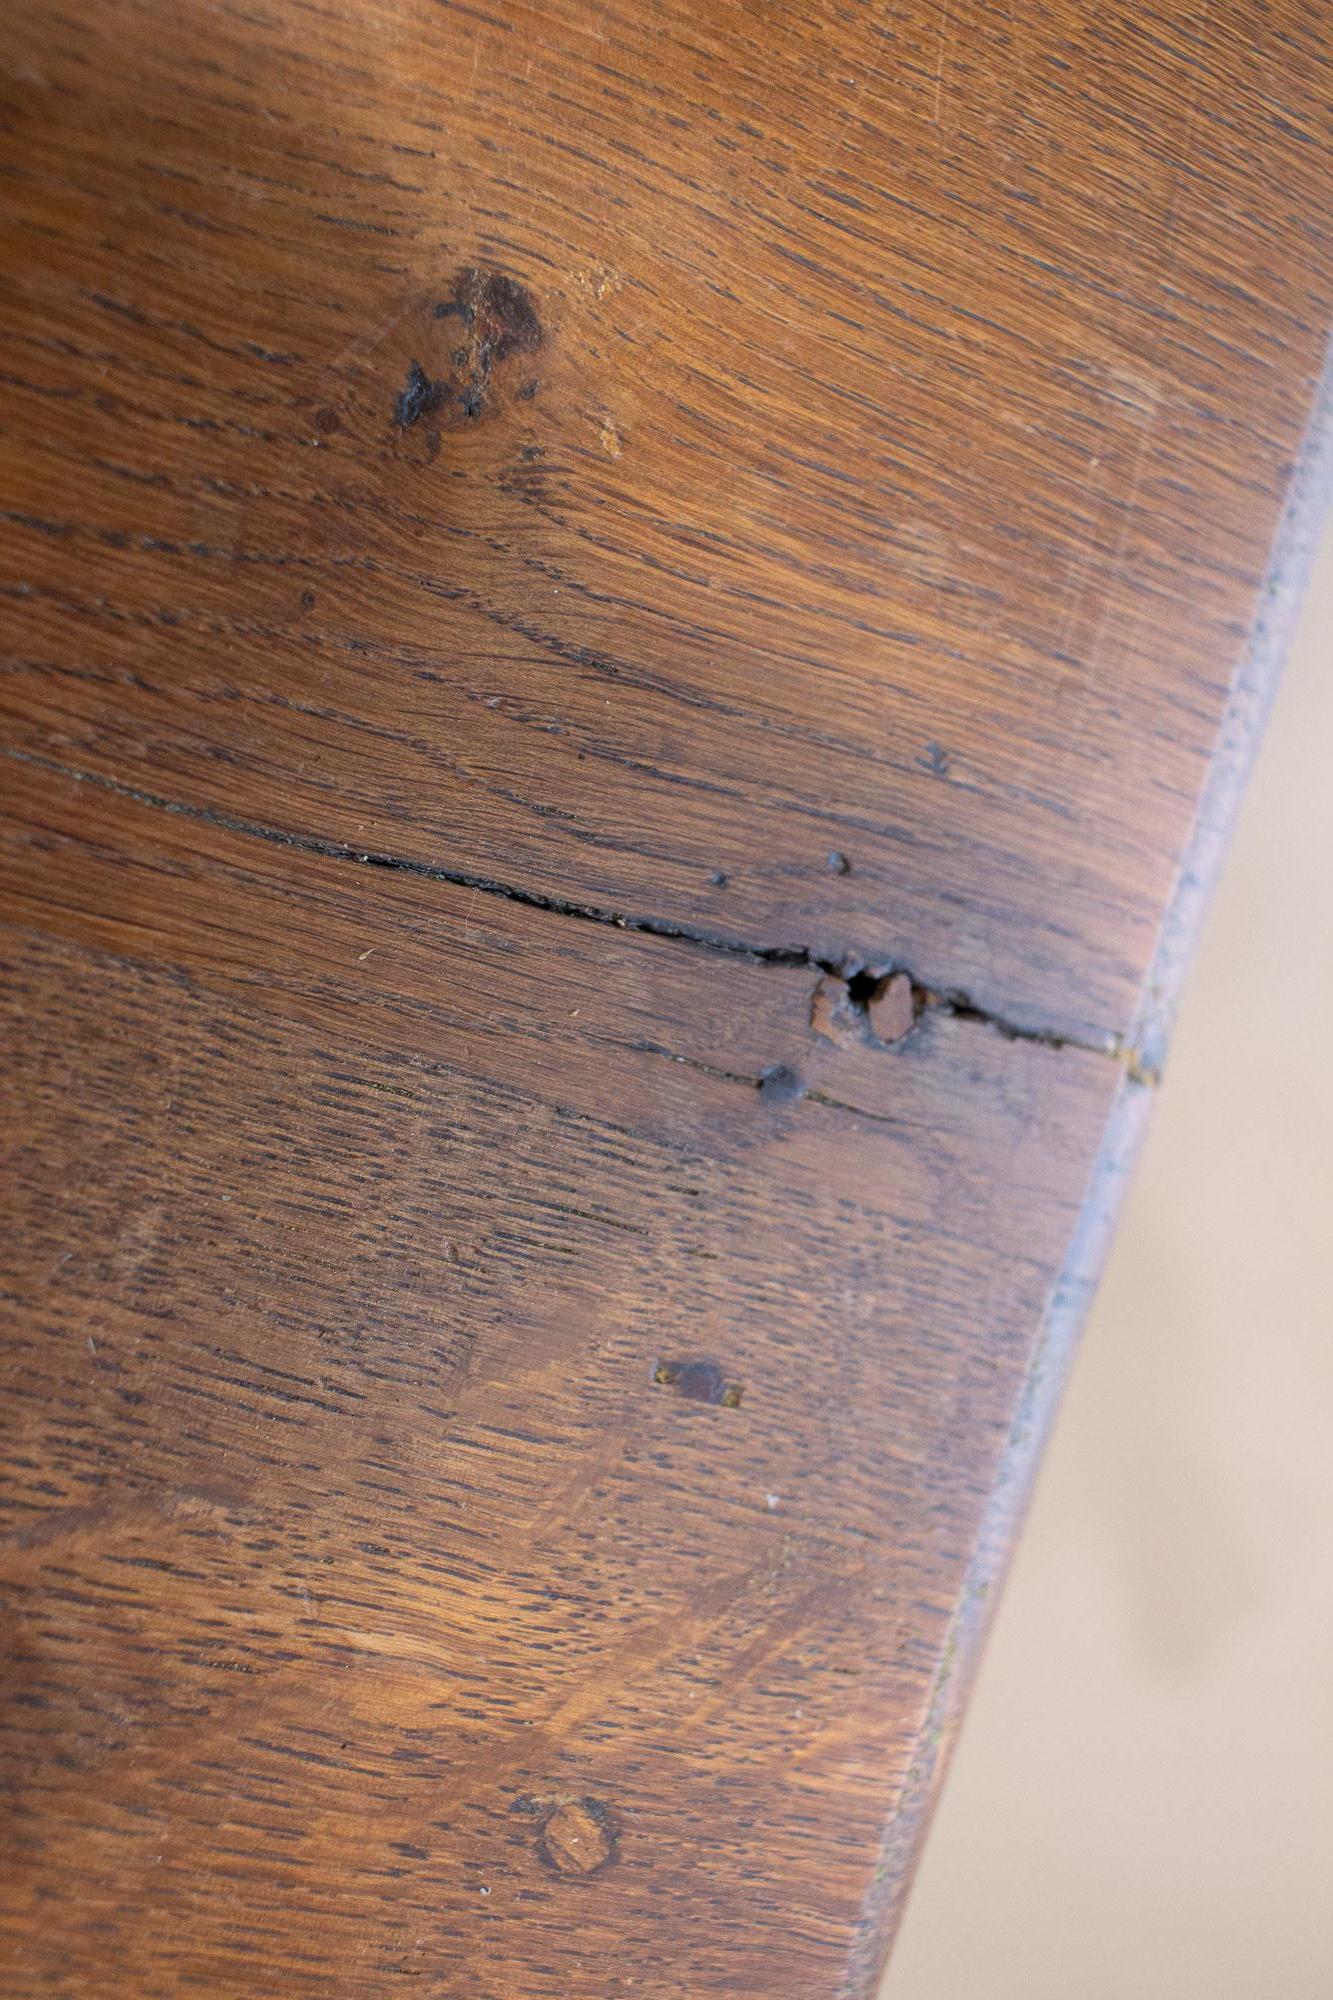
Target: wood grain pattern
x=618 y=620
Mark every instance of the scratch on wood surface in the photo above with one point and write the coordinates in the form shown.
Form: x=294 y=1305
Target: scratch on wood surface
x=122 y=1514
x=1144 y=396
x=1147 y=432
x=941 y=58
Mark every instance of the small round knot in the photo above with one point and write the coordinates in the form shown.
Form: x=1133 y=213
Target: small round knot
x=577 y=1838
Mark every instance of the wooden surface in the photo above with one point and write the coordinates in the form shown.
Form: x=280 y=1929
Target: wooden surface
x=629 y=635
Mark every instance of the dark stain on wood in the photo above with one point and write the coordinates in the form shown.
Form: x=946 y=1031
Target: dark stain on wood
x=698 y=1382
x=779 y=1083
x=499 y=319
x=419 y=397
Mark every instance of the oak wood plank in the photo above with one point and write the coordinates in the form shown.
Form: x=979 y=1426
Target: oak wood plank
x=438 y=1430
x=863 y=501
x=630 y=632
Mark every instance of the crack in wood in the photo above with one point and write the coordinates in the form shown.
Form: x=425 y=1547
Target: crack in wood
x=946 y=1000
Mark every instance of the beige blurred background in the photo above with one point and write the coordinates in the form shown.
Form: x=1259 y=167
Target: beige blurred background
x=1141 y=1802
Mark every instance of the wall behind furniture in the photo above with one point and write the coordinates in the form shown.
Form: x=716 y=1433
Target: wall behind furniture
x=1141 y=1803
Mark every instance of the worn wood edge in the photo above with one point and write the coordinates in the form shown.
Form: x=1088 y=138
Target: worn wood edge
x=1307 y=506
x=1002 y=1519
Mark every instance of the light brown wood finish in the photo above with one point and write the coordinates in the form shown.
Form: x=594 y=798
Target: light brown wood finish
x=546 y=553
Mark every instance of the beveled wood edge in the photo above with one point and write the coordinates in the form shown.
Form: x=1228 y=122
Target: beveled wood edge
x=1307 y=506
x=1281 y=598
